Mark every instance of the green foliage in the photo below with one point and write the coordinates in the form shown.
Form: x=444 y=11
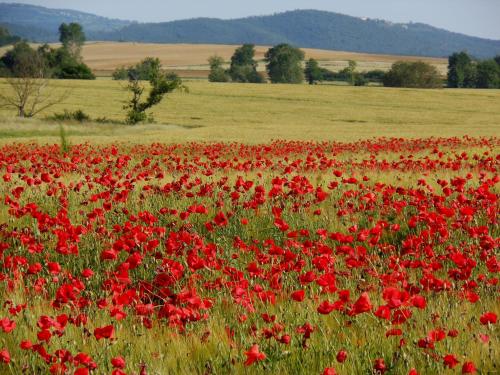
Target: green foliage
x=313 y=72
x=243 y=66
x=488 y=74
x=461 y=71
x=284 y=64
x=360 y=80
x=412 y=74
x=497 y=59
x=6 y=38
x=217 y=71
x=143 y=70
x=16 y=58
x=374 y=75
x=161 y=84
x=77 y=116
x=72 y=38
x=120 y=74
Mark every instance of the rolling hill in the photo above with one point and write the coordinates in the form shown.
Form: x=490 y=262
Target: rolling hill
x=41 y=24
x=303 y=28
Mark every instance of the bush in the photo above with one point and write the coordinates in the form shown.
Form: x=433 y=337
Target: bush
x=74 y=71
x=78 y=116
x=120 y=74
x=217 y=71
x=413 y=74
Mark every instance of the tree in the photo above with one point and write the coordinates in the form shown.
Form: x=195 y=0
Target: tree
x=72 y=38
x=351 y=71
x=461 y=71
x=497 y=59
x=143 y=70
x=243 y=66
x=313 y=72
x=217 y=71
x=31 y=92
x=161 y=84
x=284 y=64
x=488 y=74
x=413 y=74
x=63 y=65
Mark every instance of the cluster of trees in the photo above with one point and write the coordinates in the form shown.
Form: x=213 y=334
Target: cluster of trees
x=413 y=74
x=283 y=65
x=464 y=72
x=47 y=62
x=6 y=38
x=243 y=67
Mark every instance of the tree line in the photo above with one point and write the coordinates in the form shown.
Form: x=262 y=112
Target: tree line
x=285 y=64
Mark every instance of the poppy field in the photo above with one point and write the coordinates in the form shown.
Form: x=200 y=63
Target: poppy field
x=371 y=257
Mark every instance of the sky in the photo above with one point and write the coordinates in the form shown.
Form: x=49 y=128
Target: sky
x=473 y=17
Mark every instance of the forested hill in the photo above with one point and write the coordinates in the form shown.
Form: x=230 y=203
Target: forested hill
x=41 y=24
x=303 y=28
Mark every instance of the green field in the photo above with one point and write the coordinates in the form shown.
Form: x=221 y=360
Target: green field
x=259 y=113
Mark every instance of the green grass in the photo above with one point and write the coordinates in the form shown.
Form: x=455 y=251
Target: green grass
x=258 y=113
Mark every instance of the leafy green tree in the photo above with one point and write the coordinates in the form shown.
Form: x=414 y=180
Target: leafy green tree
x=461 y=71
x=217 y=71
x=351 y=71
x=313 y=72
x=497 y=59
x=284 y=64
x=413 y=74
x=72 y=38
x=488 y=74
x=160 y=85
x=243 y=65
x=64 y=65
x=142 y=70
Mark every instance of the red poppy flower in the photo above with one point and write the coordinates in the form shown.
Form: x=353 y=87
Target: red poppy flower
x=104 y=332
x=488 y=318
x=254 y=355
x=362 y=305
x=4 y=356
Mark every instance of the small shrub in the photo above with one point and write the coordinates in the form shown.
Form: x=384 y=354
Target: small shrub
x=78 y=116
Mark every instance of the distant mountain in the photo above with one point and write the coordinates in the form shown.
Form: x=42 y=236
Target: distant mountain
x=41 y=24
x=303 y=28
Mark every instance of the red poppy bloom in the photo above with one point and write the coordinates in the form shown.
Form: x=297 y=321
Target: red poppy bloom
x=254 y=355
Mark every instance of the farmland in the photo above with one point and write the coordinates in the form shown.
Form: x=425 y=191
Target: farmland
x=190 y=60
x=259 y=113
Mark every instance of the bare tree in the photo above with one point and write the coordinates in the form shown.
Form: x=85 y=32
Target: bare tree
x=30 y=87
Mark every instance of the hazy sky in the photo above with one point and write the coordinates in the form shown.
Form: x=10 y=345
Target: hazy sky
x=473 y=17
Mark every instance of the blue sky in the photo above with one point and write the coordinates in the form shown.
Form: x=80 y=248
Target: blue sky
x=473 y=17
